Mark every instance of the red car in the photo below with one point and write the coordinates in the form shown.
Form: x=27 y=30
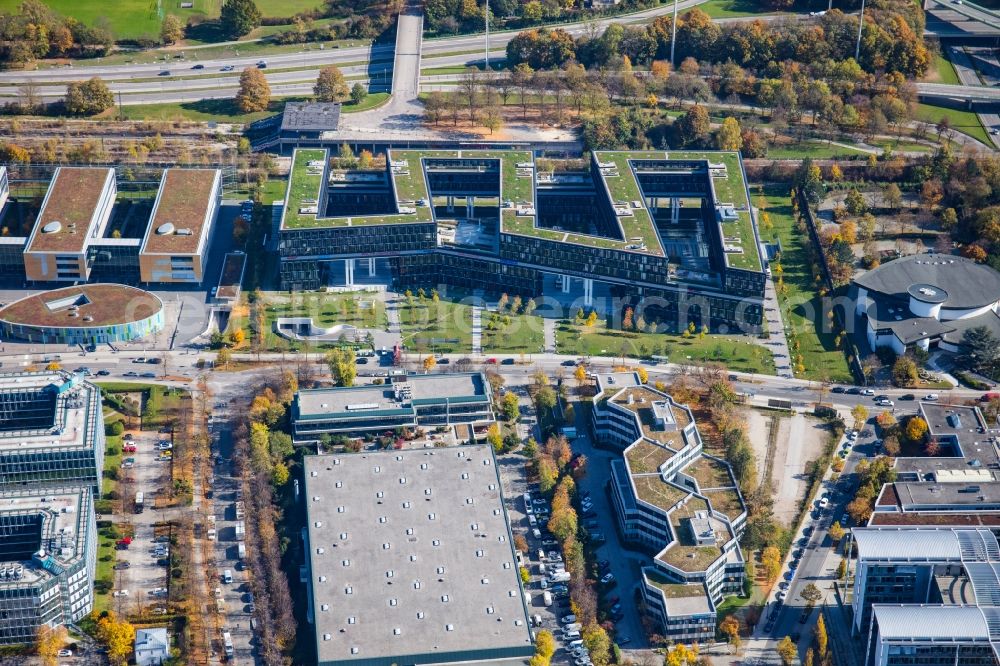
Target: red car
x=491 y=361
x=130 y=448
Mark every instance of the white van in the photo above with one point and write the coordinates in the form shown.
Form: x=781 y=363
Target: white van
x=227 y=576
x=571 y=635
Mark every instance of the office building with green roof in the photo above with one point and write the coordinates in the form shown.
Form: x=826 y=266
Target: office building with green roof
x=672 y=230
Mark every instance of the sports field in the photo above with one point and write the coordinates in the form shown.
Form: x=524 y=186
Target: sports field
x=136 y=18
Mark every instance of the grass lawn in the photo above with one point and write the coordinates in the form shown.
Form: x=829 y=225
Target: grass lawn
x=738 y=354
x=800 y=304
x=370 y=102
x=273 y=190
x=732 y=8
x=136 y=18
x=326 y=310
x=945 y=71
x=224 y=110
x=443 y=327
x=524 y=334
x=813 y=149
x=965 y=122
x=902 y=146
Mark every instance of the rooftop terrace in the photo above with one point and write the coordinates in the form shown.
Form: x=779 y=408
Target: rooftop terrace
x=684 y=553
x=305 y=185
x=682 y=599
x=646 y=458
x=652 y=489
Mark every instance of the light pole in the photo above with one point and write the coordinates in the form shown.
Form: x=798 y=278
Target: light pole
x=487 y=35
x=861 y=24
x=673 y=36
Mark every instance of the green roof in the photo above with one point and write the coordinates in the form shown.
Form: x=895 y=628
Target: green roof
x=303 y=184
x=517 y=188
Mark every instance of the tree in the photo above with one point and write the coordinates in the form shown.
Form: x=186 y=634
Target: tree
x=787 y=650
x=88 y=97
x=904 y=371
x=580 y=374
x=729 y=136
x=860 y=414
x=495 y=437
x=545 y=644
x=331 y=86
x=510 y=406
x=693 y=127
x=891 y=445
x=239 y=17
x=730 y=628
x=358 y=93
x=520 y=543
x=979 y=349
x=836 y=532
x=598 y=644
x=117 y=636
x=254 y=94
x=430 y=363
x=770 y=559
x=237 y=336
x=892 y=196
x=916 y=429
x=343 y=366
x=48 y=642
x=171 y=29
x=223 y=356
x=811 y=593
x=821 y=636
x=855 y=203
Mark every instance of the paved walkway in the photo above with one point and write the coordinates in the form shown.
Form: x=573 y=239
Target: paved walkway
x=778 y=342
x=477 y=329
x=392 y=316
x=549 y=329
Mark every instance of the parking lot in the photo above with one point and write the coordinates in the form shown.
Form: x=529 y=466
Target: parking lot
x=141 y=569
x=543 y=550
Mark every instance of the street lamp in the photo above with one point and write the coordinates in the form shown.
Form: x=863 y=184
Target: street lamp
x=487 y=35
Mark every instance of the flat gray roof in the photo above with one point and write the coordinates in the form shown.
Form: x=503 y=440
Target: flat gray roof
x=411 y=554
x=371 y=397
x=913 y=496
x=907 y=544
x=915 y=622
x=311 y=116
x=76 y=408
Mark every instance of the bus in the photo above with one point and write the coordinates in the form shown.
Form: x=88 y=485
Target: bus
x=138 y=503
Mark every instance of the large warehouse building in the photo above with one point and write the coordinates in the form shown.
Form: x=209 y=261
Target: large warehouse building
x=411 y=560
x=675 y=230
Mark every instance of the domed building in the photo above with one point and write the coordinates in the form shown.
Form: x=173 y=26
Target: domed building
x=926 y=301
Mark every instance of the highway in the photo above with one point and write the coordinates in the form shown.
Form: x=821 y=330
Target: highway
x=289 y=73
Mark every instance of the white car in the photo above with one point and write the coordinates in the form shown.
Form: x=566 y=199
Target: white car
x=867 y=391
x=824 y=502
x=931 y=397
x=64 y=653
x=120 y=593
x=568 y=619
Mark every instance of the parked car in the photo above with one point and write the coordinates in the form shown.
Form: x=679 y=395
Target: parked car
x=931 y=397
x=608 y=579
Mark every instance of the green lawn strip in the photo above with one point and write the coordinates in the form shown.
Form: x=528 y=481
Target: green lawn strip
x=738 y=354
x=525 y=334
x=813 y=149
x=370 y=102
x=945 y=71
x=304 y=186
x=966 y=122
x=444 y=327
x=271 y=191
x=731 y=9
x=800 y=305
x=326 y=310
x=222 y=110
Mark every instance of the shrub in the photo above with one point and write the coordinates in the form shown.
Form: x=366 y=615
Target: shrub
x=114 y=428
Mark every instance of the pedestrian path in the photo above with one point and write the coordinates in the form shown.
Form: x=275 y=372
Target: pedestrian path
x=778 y=342
x=477 y=329
x=392 y=316
x=549 y=329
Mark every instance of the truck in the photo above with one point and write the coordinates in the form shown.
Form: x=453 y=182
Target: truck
x=138 y=503
x=240 y=530
x=241 y=549
x=227 y=641
x=547 y=598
